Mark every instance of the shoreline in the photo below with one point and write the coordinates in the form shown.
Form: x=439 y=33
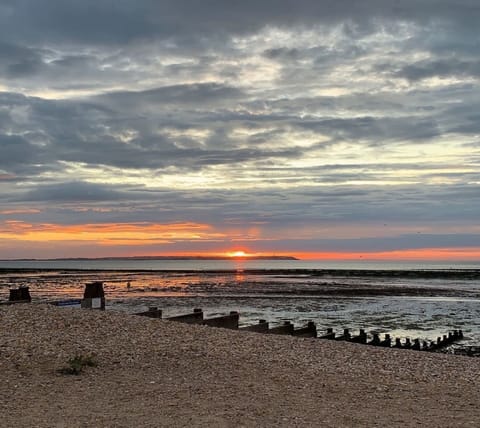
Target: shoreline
x=159 y=373
x=428 y=273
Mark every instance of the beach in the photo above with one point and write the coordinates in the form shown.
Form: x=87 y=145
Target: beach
x=152 y=373
x=424 y=304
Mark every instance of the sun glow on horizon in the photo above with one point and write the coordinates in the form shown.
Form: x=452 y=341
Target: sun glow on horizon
x=239 y=253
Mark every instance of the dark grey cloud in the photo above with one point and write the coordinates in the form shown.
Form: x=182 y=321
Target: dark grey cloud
x=377 y=129
x=443 y=68
x=19 y=61
x=20 y=157
x=113 y=23
x=76 y=192
x=205 y=93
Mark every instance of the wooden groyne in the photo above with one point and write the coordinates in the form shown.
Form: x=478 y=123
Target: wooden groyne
x=196 y=317
x=94 y=298
x=231 y=321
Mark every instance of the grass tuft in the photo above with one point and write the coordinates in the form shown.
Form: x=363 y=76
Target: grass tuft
x=77 y=364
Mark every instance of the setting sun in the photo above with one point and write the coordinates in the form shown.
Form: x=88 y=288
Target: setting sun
x=238 y=254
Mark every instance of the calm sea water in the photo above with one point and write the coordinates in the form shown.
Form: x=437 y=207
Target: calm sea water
x=409 y=299
x=131 y=264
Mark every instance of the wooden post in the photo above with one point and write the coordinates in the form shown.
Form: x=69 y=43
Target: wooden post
x=153 y=312
x=361 y=338
x=376 y=340
x=416 y=344
x=286 y=328
x=387 y=342
x=94 y=296
x=226 y=321
x=261 y=327
x=193 y=318
x=14 y=295
x=330 y=334
x=25 y=294
x=310 y=330
x=19 y=295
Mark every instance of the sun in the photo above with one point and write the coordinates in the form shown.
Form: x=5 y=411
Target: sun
x=239 y=254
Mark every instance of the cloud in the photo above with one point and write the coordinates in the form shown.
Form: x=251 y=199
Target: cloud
x=98 y=20
x=442 y=68
x=271 y=120
x=178 y=94
x=73 y=192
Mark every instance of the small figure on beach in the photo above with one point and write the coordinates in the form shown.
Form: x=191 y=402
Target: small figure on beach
x=129 y=285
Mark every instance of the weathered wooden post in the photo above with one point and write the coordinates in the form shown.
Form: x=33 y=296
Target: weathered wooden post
x=261 y=327
x=408 y=344
x=286 y=328
x=153 y=312
x=225 y=321
x=416 y=344
x=25 y=294
x=21 y=294
x=94 y=296
x=387 y=342
x=361 y=338
x=193 y=318
x=345 y=336
x=398 y=343
x=330 y=334
x=376 y=340
x=310 y=330
x=14 y=295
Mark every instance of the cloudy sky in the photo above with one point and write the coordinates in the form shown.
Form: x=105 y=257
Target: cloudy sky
x=315 y=128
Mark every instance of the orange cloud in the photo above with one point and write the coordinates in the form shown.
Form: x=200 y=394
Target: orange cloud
x=20 y=211
x=108 y=233
x=404 y=254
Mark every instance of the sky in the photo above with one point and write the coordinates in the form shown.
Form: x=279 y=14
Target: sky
x=319 y=129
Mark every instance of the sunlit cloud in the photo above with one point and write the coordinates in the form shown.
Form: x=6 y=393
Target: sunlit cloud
x=20 y=211
x=107 y=234
x=421 y=254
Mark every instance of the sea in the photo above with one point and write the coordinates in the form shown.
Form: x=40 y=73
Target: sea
x=422 y=300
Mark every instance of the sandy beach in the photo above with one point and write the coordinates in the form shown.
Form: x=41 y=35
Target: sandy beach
x=155 y=373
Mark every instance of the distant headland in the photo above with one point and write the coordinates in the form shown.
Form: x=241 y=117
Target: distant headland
x=245 y=257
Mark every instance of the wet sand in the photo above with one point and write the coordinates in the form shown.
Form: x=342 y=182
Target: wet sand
x=154 y=373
